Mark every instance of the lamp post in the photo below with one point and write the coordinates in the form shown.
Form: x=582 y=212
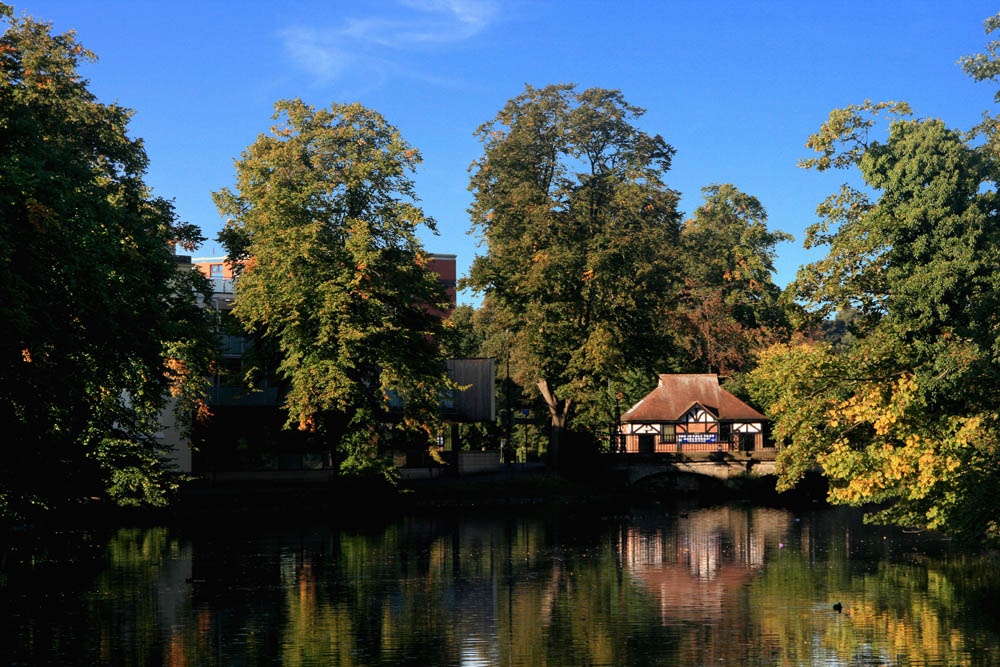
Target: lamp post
x=618 y=423
x=509 y=417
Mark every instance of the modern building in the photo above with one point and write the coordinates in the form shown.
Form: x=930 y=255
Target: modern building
x=247 y=428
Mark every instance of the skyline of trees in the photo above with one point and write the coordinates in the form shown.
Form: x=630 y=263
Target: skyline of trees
x=592 y=282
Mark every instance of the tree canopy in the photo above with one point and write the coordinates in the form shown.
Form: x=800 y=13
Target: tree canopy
x=730 y=306
x=580 y=231
x=903 y=414
x=322 y=225
x=98 y=326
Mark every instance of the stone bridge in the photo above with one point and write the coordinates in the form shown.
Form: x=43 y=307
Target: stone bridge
x=635 y=469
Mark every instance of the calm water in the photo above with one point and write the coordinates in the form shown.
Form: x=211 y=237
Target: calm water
x=662 y=585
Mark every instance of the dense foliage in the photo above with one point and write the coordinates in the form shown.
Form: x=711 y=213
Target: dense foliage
x=322 y=226
x=98 y=326
x=902 y=415
x=730 y=307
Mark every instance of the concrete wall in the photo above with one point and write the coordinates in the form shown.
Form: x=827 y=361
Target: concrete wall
x=473 y=462
x=169 y=435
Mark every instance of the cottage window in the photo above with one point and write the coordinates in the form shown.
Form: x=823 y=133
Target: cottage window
x=668 y=434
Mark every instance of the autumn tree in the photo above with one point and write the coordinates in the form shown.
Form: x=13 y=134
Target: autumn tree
x=580 y=230
x=98 y=326
x=322 y=225
x=730 y=306
x=903 y=414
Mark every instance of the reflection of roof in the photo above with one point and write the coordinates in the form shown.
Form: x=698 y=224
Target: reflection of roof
x=675 y=395
x=685 y=596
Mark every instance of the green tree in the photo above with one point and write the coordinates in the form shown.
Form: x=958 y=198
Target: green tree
x=839 y=331
x=322 y=226
x=580 y=233
x=731 y=307
x=98 y=326
x=463 y=338
x=904 y=414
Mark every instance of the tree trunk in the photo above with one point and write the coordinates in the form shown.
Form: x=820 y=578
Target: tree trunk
x=559 y=410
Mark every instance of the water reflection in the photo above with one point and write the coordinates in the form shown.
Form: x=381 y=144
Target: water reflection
x=721 y=585
x=696 y=567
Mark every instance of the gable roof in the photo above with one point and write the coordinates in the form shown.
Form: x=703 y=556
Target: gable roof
x=676 y=393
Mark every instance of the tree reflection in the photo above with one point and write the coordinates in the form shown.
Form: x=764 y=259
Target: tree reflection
x=723 y=585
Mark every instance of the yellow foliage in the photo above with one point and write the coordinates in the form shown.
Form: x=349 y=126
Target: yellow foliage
x=201 y=410
x=308 y=423
x=878 y=404
x=176 y=372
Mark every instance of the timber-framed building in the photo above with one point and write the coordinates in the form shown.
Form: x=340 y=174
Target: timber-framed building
x=691 y=413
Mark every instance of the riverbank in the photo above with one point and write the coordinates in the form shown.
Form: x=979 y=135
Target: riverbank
x=515 y=485
x=296 y=496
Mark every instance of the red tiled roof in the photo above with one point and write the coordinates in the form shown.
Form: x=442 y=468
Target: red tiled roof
x=675 y=395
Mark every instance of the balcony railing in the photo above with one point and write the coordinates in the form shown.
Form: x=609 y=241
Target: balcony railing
x=234 y=346
x=222 y=285
x=234 y=395
x=678 y=443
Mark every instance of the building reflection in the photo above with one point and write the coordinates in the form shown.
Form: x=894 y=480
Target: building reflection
x=694 y=565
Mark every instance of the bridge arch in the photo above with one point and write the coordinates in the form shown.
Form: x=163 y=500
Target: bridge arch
x=634 y=471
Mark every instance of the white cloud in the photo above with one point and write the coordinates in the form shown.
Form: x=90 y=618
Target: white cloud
x=367 y=43
x=307 y=49
x=456 y=19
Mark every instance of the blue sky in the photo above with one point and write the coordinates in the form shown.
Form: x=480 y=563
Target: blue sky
x=735 y=87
